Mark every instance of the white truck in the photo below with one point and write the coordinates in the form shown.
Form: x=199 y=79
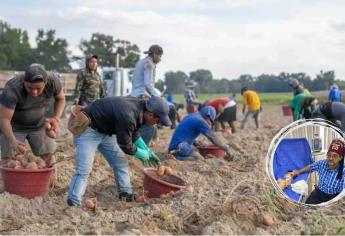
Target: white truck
x=117 y=81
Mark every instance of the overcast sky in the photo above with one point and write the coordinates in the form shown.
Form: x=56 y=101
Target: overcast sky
x=229 y=38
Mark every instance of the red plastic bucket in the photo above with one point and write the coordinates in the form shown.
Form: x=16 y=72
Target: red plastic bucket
x=155 y=186
x=287 y=110
x=27 y=183
x=212 y=150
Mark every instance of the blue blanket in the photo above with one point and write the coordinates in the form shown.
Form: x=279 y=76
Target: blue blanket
x=292 y=154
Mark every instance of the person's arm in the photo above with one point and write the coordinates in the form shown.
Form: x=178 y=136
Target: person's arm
x=101 y=89
x=148 y=79
x=245 y=103
x=78 y=85
x=301 y=171
x=6 y=115
x=59 y=107
x=211 y=135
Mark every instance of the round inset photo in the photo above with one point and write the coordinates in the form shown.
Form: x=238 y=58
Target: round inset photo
x=305 y=162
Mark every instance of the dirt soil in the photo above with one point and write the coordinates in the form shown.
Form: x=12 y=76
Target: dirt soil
x=222 y=197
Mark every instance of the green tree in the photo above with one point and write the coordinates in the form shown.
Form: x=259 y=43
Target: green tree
x=15 y=50
x=52 y=52
x=175 y=81
x=107 y=49
x=202 y=77
x=324 y=80
x=129 y=53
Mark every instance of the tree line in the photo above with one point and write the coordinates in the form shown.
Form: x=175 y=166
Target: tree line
x=16 y=53
x=175 y=82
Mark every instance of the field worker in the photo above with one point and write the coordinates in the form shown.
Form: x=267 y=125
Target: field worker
x=143 y=84
x=333 y=112
x=89 y=86
x=226 y=111
x=303 y=105
x=331 y=174
x=22 y=112
x=252 y=101
x=110 y=125
x=334 y=94
x=194 y=124
x=190 y=97
x=297 y=87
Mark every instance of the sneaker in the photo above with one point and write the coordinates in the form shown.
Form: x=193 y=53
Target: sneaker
x=70 y=203
x=128 y=197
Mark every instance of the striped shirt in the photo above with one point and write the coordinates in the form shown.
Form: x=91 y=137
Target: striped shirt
x=328 y=182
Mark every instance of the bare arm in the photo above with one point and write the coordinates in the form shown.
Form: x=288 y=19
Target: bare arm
x=15 y=146
x=301 y=171
x=6 y=115
x=59 y=104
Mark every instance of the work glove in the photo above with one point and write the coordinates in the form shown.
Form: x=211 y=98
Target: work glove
x=141 y=143
x=143 y=155
x=153 y=158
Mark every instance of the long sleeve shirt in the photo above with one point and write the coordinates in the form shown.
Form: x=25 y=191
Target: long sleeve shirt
x=144 y=78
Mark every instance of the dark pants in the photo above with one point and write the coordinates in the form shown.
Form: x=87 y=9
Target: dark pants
x=317 y=197
x=172 y=116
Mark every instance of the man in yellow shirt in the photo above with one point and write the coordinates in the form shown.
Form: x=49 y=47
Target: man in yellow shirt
x=252 y=101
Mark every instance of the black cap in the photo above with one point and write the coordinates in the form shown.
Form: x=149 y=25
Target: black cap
x=160 y=108
x=155 y=49
x=35 y=73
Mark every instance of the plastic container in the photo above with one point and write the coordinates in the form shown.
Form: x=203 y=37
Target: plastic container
x=27 y=183
x=212 y=150
x=287 y=110
x=155 y=186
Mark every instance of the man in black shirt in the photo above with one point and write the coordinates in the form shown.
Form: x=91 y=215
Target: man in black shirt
x=22 y=112
x=114 y=130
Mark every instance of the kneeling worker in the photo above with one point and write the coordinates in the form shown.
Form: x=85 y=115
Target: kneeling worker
x=189 y=129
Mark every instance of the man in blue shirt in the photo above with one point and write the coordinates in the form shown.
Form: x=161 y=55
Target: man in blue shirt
x=331 y=174
x=334 y=94
x=189 y=129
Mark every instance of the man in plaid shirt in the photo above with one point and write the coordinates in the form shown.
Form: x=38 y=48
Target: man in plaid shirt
x=331 y=174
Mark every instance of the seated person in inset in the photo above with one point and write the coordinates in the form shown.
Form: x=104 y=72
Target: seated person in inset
x=331 y=174
x=194 y=124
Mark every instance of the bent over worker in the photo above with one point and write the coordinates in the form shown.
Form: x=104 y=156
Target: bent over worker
x=111 y=125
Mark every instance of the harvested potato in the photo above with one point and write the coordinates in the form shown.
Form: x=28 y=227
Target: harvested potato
x=90 y=203
x=267 y=220
x=51 y=134
x=41 y=164
x=31 y=158
x=161 y=170
x=11 y=164
x=31 y=166
x=168 y=171
x=21 y=149
x=18 y=167
x=47 y=126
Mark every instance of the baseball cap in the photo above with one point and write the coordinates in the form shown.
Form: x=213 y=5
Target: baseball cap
x=160 y=108
x=208 y=112
x=155 y=49
x=35 y=73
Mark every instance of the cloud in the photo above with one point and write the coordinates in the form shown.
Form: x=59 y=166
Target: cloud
x=228 y=37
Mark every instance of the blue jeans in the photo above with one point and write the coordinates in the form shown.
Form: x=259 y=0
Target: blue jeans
x=86 y=145
x=248 y=115
x=148 y=132
x=186 y=152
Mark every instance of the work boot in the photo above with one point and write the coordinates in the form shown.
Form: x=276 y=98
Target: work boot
x=128 y=197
